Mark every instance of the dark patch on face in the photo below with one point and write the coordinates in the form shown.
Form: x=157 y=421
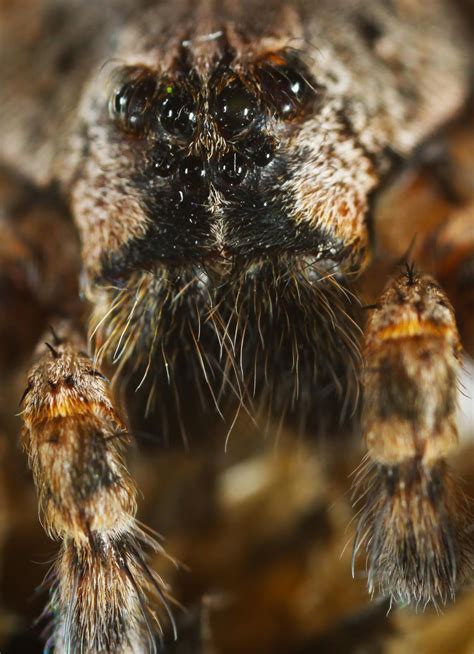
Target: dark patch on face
x=179 y=233
x=257 y=221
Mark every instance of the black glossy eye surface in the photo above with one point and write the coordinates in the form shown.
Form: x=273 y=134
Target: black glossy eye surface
x=177 y=113
x=193 y=173
x=232 y=168
x=260 y=149
x=131 y=100
x=235 y=107
x=164 y=160
x=286 y=89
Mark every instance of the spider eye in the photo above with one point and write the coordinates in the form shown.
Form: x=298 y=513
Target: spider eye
x=131 y=100
x=235 y=108
x=287 y=90
x=164 y=160
x=259 y=148
x=193 y=172
x=232 y=168
x=177 y=112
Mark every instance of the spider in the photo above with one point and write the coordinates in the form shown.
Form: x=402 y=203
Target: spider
x=220 y=224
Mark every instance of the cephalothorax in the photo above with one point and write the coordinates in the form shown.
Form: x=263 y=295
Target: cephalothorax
x=220 y=164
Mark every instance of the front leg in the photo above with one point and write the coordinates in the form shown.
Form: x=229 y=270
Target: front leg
x=414 y=520
x=75 y=440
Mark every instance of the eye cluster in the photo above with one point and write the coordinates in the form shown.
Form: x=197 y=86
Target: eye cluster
x=173 y=111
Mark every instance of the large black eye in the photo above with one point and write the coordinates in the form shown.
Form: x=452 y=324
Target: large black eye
x=235 y=107
x=178 y=114
x=131 y=100
x=288 y=91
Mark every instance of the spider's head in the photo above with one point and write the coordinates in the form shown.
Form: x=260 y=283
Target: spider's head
x=217 y=157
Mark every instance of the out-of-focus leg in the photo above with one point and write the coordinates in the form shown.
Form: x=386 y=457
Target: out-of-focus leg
x=39 y=267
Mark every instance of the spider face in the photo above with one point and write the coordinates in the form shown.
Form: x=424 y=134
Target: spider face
x=210 y=156
x=222 y=197
x=222 y=164
x=212 y=224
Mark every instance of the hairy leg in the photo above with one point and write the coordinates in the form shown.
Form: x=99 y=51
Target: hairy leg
x=39 y=263
x=414 y=518
x=75 y=439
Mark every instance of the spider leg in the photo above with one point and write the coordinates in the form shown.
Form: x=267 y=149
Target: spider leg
x=39 y=263
x=75 y=440
x=413 y=522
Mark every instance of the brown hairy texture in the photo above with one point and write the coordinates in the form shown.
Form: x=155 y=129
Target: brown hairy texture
x=75 y=441
x=414 y=518
x=220 y=252
x=331 y=161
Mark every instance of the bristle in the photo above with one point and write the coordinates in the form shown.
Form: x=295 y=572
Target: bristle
x=261 y=335
x=414 y=519
x=75 y=437
x=412 y=528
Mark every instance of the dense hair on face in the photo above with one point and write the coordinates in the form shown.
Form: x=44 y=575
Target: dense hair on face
x=225 y=135
x=263 y=339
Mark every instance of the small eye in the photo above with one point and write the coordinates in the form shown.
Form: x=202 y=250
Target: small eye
x=193 y=173
x=164 y=160
x=232 y=168
x=259 y=148
x=288 y=92
x=177 y=112
x=131 y=100
x=236 y=107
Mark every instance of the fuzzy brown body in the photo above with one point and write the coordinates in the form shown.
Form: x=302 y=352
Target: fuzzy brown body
x=220 y=161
